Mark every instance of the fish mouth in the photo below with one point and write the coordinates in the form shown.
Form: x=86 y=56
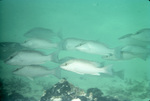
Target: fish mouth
x=17 y=69
x=62 y=65
x=9 y=58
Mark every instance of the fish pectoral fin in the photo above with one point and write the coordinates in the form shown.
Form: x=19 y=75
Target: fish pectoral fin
x=82 y=43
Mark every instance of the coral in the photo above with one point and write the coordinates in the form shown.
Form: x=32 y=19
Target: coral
x=94 y=93
x=64 y=91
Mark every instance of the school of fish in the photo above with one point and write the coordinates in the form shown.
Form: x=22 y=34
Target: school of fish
x=30 y=59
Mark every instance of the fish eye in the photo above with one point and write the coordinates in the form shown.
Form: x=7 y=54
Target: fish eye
x=80 y=44
x=106 y=56
x=16 y=70
x=10 y=57
x=65 y=64
x=111 y=54
x=25 y=41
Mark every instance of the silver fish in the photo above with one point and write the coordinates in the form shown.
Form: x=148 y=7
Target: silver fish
x=128 y=40
x=34 y=71
x=37 y=43
x=71 y=43
x=81 y=66
x=125 y=56
x=8 y=48
x=135 y=49
x=28 y=57
x=94 y=47
x=40 y=32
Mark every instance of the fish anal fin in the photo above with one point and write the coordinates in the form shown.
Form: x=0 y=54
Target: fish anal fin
x=96 y=74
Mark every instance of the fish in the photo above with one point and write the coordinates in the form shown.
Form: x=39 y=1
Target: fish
x=40 y=32
x=70 y=43
x=128 y=40
x=141 y=38
x=30 y=57
x=8 y=48
x=135 y=49
x=38 y=43
x=143 y=35
x=35 y=71
x=82 y=67
x=125 y=56
x=94 y=47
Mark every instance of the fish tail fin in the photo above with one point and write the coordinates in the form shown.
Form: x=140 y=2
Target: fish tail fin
x=60 y=34
x=143 y=56
x=57 y=37
x=119 y=74
x=61 y=40
x=117 y=52
x=54 y=57
x=61 y=45
x=102 y=64
x=108 y=70
x=56 y=72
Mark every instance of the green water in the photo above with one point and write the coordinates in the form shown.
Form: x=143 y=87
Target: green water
x=102 y=20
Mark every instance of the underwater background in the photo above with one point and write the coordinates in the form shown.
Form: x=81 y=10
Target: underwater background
x=100 y=20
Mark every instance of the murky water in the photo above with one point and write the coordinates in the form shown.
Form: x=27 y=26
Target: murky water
x=98 y=20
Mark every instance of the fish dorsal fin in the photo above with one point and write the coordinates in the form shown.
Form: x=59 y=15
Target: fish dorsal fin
x=98 y=64
x=126 y=36
x=65 y=59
